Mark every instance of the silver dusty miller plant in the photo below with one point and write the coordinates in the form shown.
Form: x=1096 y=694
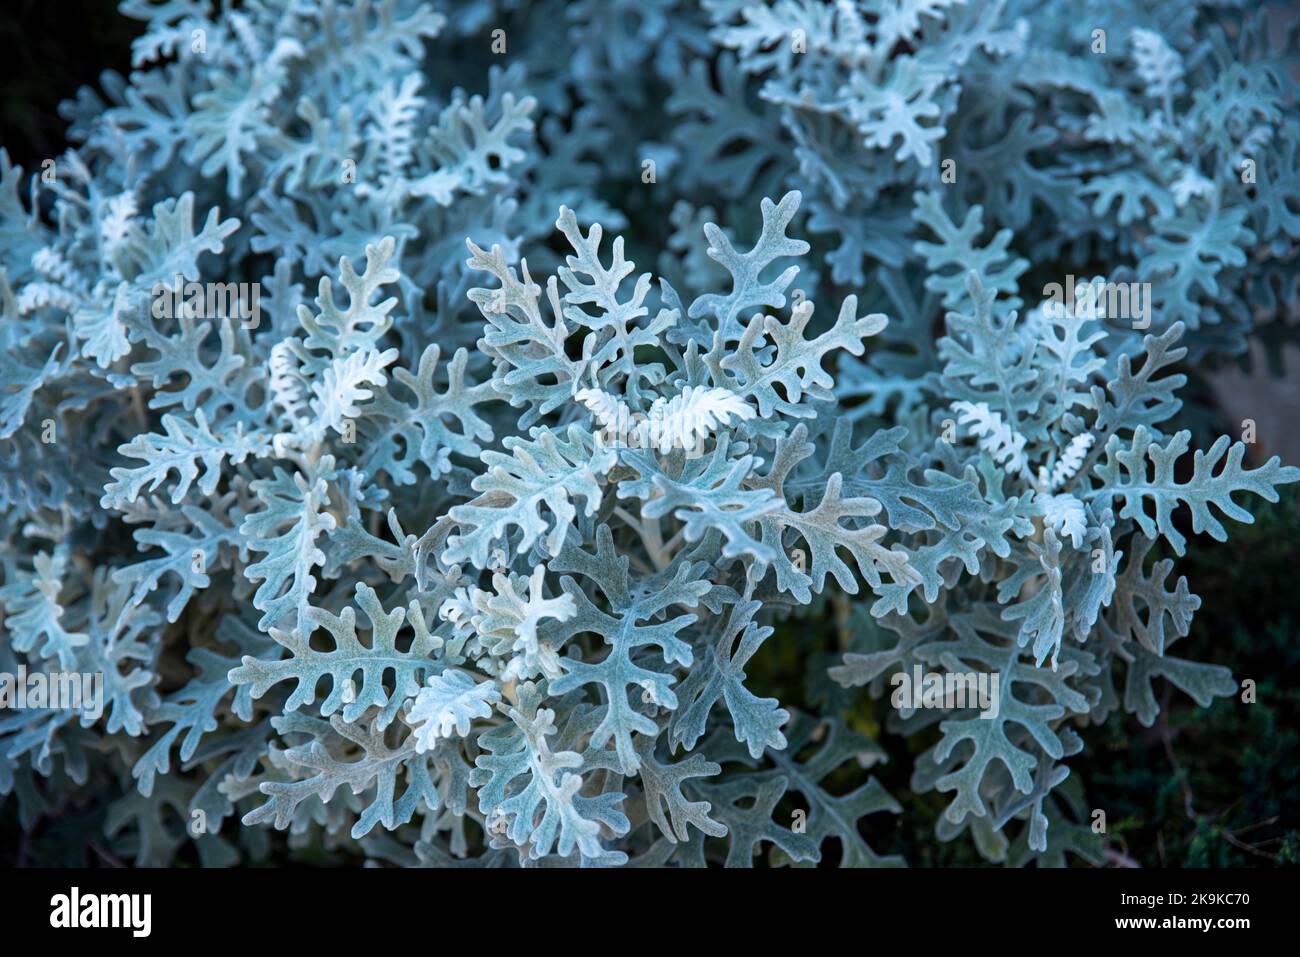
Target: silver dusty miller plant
x=492 y=558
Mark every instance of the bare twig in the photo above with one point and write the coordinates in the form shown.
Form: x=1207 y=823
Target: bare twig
x=1120 y=859
x=1188 y=802
x=1248 y=848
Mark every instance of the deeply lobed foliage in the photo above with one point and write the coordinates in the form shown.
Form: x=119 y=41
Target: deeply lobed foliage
x=467 y=558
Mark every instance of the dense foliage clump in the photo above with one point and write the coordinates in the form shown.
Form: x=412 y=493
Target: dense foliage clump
x=447 y=427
